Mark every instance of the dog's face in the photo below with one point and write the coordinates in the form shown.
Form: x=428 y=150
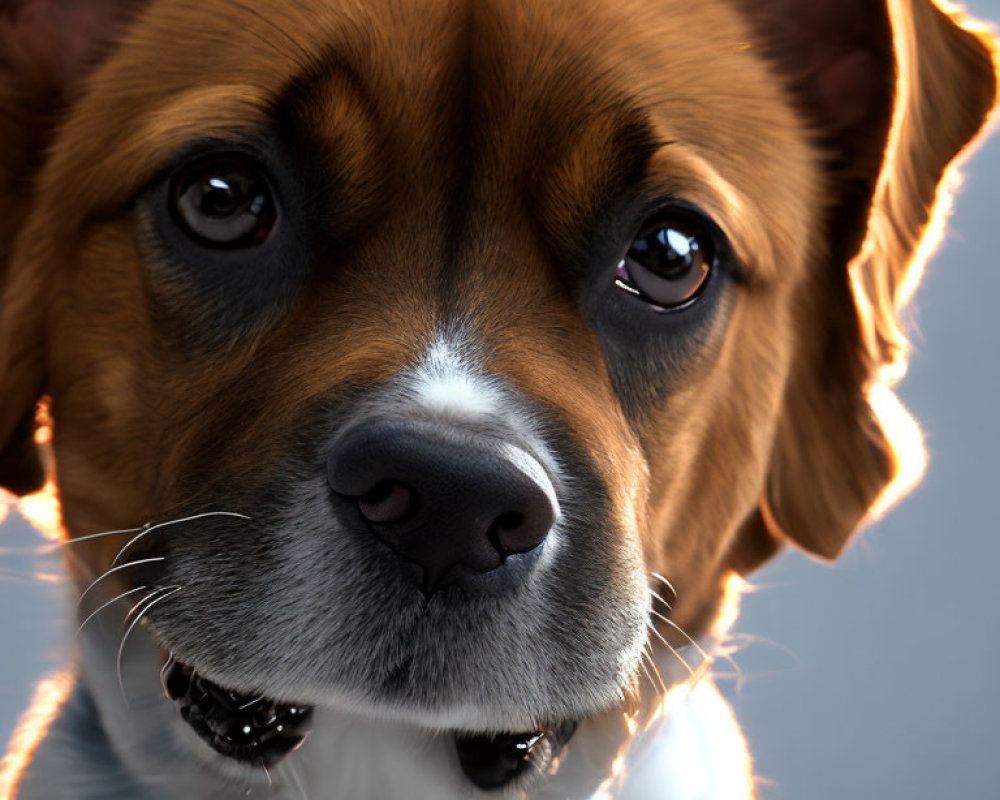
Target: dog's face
x=436 y=329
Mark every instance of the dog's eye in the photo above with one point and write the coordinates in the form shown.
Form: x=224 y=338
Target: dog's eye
x=669 y=262
x=223 y=201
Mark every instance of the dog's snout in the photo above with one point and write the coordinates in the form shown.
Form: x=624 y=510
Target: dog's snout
x=442 y=496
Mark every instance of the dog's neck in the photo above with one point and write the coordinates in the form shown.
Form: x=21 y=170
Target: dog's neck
x=680 y=744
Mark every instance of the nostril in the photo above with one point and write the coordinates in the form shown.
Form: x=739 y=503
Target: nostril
x=388 y=501
x=513 y=532
x=509 y=521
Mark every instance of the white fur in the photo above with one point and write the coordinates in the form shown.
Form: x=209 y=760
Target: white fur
x=446 y=382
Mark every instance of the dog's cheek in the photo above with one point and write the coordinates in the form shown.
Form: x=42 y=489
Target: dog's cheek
x=123 y=401
x=98 y=343
x=709 y=450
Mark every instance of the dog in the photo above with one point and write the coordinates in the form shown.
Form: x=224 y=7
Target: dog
x=422 y=375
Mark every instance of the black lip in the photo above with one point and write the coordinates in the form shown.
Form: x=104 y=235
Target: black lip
x=247 y=728
x=493 y=761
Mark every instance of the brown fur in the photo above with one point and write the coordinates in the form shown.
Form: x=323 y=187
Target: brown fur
x=772 y=411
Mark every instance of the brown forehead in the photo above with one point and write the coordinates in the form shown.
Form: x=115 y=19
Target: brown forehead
x=464 y=103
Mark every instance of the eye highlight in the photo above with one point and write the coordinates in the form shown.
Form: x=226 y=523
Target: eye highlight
x=223 y=201
x=670 y=260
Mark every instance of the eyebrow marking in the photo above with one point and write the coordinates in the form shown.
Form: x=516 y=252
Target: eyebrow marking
x=592 y=171
x=293 y=109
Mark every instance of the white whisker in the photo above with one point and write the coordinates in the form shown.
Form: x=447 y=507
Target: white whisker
x=90 y=536
x=647 y=656
x=255 y=700
x=164 y=592
x=672 y=650
x=103 y=606
x=116 y=569
x=147 y=529
x=131 y=611
x=664 y=581
x=683 y=633
x=53 y=547
x=657 y=597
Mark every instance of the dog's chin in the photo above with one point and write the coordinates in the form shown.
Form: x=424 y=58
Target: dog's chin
x=433 y=713
x=187 y=684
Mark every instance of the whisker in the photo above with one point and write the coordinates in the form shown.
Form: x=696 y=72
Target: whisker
x=648 y=657
x=664 y=581
x=103 y=606
x=54 y=547
x=164 y=592
x=683 y=633
x=147 y=529
x=116 y=569
x=657 y=597
x=90 y=536
x=673 y=651
x=131 y=611
x=647 y=674
x=137 y=606
x=707 y=659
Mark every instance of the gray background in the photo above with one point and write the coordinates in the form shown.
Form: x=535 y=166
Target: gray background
x=874 y=678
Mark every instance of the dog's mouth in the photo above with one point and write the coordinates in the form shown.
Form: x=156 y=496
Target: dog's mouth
x=493 y=761
x=259 y=731
x=250 y=729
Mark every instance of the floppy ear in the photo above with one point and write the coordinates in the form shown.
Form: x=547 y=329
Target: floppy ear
x=895 y=91
x=46 y=47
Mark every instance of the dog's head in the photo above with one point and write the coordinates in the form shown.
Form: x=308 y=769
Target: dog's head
x=435 y=329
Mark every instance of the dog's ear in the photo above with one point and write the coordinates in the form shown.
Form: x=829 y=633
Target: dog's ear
x=46 y=49
x=895 y=90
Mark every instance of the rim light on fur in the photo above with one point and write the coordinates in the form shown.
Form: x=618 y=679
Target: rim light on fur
x=49 y=697
x=880 y=304
x=42 y=509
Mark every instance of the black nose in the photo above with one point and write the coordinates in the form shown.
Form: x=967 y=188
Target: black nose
x=442 y=496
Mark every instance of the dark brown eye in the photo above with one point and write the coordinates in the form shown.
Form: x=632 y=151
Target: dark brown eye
x=669 y=261
x=224 y=201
